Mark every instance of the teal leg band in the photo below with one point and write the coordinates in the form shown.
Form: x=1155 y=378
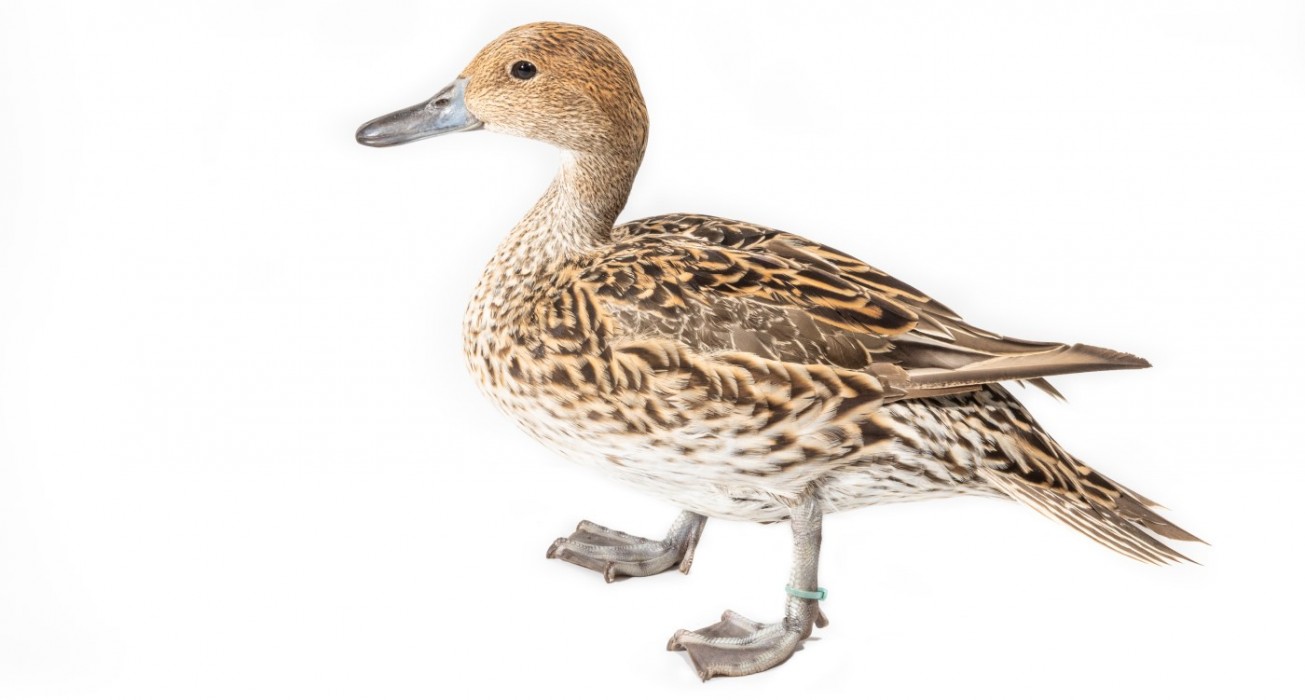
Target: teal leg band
x=818 y=594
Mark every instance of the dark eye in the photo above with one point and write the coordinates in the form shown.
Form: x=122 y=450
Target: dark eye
x=523 y=70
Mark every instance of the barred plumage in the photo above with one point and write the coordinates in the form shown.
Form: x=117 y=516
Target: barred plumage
x=736 y=370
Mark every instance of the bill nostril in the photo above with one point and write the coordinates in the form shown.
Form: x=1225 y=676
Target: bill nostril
x=443 y=113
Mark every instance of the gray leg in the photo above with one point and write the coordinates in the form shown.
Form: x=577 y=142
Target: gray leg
x=615 y=554
x=737 y=646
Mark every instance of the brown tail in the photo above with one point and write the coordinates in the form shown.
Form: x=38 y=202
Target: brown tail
x=1127 y=524
x=1040 y=473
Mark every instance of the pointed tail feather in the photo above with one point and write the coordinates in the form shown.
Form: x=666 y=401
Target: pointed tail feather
x=1028 y=465
x=1130 y=527
x=1137 y=509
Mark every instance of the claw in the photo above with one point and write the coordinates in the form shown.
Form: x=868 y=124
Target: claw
x=552 y=551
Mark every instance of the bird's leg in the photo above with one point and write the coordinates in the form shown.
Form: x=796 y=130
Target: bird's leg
x=615 y=554
x=737 y=646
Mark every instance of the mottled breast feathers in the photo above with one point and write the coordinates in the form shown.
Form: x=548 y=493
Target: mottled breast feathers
x=716 y=286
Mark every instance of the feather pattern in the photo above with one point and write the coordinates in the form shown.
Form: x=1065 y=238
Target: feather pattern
x=717 y=284
x=736 y=370
x=725 y=366
x=732 y=368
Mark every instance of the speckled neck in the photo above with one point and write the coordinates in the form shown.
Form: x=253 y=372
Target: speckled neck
x=573 y=217
x=577 y=212
x=570 y=221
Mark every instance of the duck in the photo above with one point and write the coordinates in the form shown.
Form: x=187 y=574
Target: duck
x=736 y=370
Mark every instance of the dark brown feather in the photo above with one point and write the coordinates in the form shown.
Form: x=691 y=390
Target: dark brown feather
x=719 y=285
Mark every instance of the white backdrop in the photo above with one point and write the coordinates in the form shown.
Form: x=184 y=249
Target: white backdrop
x=240 y=457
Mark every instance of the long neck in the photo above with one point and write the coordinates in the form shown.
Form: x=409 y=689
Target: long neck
x=577 y=212
x=573 y=219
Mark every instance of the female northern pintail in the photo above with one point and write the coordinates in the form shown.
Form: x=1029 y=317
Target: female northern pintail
x=738 y=371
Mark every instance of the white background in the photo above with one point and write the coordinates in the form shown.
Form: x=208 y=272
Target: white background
x=240 y=457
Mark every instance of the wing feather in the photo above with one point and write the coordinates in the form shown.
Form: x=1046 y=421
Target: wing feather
x=718 y=285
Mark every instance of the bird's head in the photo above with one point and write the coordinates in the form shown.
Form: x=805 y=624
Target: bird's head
x=558 y=83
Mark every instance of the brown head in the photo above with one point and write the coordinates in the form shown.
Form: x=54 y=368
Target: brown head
x=558 y=83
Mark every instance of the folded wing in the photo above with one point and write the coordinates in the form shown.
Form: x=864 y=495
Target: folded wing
x=716 y=285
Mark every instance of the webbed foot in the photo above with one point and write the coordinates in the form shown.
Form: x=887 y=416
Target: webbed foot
x=616 y=554
x=737 y=646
